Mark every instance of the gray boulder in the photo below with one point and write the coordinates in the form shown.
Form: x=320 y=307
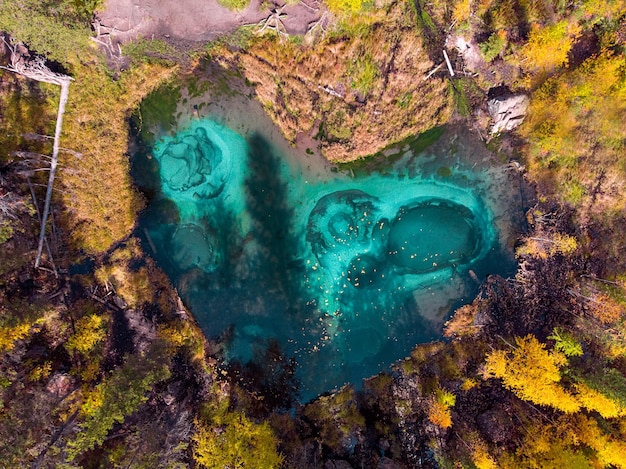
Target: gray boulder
x=507 y=112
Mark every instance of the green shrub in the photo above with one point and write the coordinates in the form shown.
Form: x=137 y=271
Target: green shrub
x=493 y=47
x=574 y=192
x=44 y=31
x=460 y=98
x=152 y=51
x=405 y=100
x=345 y=6
x=566 y=343
x=234 y=5
x=6 y=232
x=363 y=72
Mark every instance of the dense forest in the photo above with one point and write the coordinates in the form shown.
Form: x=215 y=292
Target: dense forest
x=101 y=365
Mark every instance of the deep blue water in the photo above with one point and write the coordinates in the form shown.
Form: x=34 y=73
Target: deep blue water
x=346 y=272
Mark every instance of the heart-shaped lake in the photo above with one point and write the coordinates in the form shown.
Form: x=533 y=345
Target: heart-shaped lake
x=345 y=272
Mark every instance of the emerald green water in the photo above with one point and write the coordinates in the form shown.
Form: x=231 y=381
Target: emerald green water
x=347 y=273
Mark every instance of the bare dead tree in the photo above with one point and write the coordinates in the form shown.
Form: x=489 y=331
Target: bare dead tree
x=331 y=91
x=36 y=69
x=274 y=22
x=318 y=26
x=314 y=8
x=9 y=205
x=433 y=71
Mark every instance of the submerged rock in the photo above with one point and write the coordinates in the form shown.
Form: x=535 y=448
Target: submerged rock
x=341 y=220
x=364 y=270
x=192 y=246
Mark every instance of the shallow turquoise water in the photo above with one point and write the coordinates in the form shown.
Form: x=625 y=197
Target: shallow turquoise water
x=346 y=272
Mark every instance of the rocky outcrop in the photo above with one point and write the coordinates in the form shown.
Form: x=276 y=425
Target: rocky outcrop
x=386 y=463
x=507 y=111
x=337 y=464
x=495 y=424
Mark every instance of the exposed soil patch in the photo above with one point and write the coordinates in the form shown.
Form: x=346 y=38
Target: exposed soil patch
x=195 y=20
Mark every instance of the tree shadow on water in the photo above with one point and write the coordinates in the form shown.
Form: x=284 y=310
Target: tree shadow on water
x=269 y=375
x=272 y=216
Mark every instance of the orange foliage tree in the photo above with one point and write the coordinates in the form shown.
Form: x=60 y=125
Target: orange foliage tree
x=439 y=408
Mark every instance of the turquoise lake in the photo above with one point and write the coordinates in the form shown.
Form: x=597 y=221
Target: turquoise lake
x=345 y=271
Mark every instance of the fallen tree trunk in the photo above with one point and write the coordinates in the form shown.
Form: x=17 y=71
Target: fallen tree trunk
x=65 y=89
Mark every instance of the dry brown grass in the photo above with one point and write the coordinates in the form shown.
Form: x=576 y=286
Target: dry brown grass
x=98 y=194
x=377 y=68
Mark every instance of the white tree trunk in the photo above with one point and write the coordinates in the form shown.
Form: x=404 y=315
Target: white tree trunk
x=65 y=89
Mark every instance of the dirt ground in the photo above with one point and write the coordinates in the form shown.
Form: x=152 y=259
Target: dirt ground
x=122 y=21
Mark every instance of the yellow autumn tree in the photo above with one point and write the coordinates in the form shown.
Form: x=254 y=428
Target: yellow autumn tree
x=90 y=330
x=532 y=373
x=548 y=444
x=132 y=285
x=462 y=323
x=481 y=457
x=439 y=414
x=16 y=323
x=462 y=11
x=548 y=47
x=11 y=334
x=575 y=129
x=548 y=245
x=596 y=401
x=235 y=442
x=568 y=441
x=605 y=309
x=610 y=450
x=609 y=9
